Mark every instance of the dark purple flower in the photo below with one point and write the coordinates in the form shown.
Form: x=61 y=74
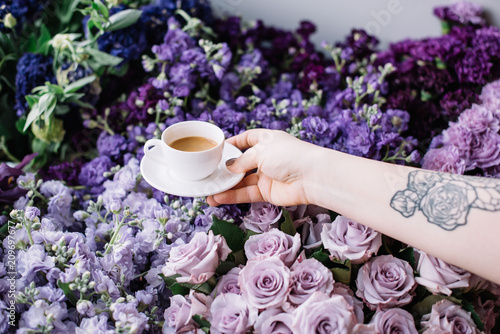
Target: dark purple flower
x=32 y=70
x=359 y=139
x=488 y=39
x=128 y=43
x=9 y=192
x=473 y=67
x=456 y=101
x=154 y=19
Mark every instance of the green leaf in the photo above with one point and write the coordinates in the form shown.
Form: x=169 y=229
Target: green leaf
x=477 y=319
x=101 y=7
x=104 y=58
x=287 y=226
x=20 y=124
x=32 y=100
x=32 y=116
x=66 y=9
x=67 y=292
x=425 y=306
x=74 y=86
x=342 y=274
x=202 y=322
x=82 y=104
x=224 y=267
x=177 y=289
x=235 y=236
x=51 y=105
x=171 y=282
x=407 y=255
x=123 y=19
x=42 y=43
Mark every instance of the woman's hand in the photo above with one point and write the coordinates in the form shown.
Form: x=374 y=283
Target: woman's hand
x=281 y=161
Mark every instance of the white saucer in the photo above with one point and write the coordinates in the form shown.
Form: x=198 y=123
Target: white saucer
x=159 y=177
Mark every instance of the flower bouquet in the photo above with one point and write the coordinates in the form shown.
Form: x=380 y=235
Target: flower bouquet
x=90 y=247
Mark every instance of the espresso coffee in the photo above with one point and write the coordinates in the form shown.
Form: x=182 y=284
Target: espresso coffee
x=193 y=144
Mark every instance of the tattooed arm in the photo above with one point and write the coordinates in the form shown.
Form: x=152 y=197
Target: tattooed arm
x=455 y=218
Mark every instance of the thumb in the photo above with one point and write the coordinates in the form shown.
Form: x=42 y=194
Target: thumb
x=245 y=162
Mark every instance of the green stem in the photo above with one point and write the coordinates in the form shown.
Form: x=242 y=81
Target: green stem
x=9 y=155
x=115 y=235
x=28 y=230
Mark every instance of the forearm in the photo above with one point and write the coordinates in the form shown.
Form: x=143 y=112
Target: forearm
x=371 y=193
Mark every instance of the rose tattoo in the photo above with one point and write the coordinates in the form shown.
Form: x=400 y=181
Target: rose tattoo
x=446 y=199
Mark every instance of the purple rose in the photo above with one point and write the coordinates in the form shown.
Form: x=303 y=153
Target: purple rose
x=273 y=243
x=308 y=277
x=262 y=217
x=447 y=317
x=178 y=316
x=349 y=240
x=438 y=276
x=265 y=282
x=394 y=320
x=228 y=283
x=343 y=290
x=230 y=313
x=324 y=314
x=385 y=281
x=311 y=229
x=197 y=260
x=274 y=321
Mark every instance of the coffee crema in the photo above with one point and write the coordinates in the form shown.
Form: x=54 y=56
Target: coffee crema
x=193 y=144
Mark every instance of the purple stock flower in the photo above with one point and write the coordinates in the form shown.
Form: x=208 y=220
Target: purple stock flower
x=91 y=174
x=31 y=213
x=111 y=146
x=126 y=315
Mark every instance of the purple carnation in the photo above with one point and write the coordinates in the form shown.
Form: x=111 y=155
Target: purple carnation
x=473 y=67
x=445 y=159
x=462 y=12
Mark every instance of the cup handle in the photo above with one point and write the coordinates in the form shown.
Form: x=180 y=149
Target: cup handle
x=147 y=150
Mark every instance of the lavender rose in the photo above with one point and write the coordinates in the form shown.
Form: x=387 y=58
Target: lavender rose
x=385 y=281
x=197 y=260
x=262 y=217
x=311 y=229
x=308 y=277
x=178 y=316
x=438 y=276
x=230 y=313
x=274 y=242
x=324 y=314
x=349 y=240
x=265 y=282
x=274 y=321
x=394 y=320
x=228 y=283
x=343 y=290
x=447 y=317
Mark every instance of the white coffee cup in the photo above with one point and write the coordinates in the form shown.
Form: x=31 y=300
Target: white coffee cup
x=184 y=165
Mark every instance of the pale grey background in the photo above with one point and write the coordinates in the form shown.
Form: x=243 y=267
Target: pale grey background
x=335 y=18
